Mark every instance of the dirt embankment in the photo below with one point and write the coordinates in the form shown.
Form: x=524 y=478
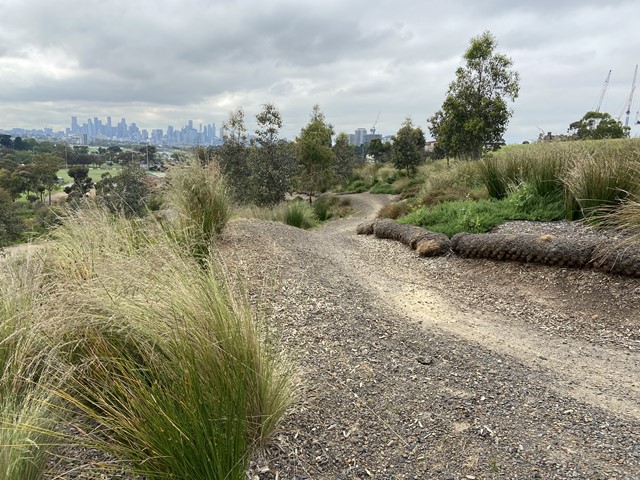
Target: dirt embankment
x=442 y=368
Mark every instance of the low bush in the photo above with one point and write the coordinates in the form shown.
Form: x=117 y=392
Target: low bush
x=202 y=198
x=483 y=215
x=384 y=188
x=593 y=183
x=322 y=207
x=394 y=210
x=299 y=214
x=356 y=186
x=145 y=343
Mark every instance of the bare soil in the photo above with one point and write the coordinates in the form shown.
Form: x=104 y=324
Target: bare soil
x=442 y=368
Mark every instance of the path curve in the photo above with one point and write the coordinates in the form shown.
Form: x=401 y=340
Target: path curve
x=444 y=367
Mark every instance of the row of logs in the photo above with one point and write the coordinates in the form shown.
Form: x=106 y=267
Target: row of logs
x=618 y=258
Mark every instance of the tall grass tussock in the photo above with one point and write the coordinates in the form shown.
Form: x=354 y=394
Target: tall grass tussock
x=572 y=180
x=146 y=348
x=202 y=199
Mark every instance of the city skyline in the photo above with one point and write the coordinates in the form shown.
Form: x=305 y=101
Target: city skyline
x=95 y=129
x=165 y=62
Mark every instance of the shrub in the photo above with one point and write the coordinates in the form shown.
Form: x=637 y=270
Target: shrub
x=593 y=183
x=384 y=188
x=202 y=199
x=299 y=214
x=483 y=215
x=125 y=192
x=323 y=205
x=357 y=186
x=386 y=174
x=625 y=219
x=494 y=178
x=170 y=362
x=394 y=210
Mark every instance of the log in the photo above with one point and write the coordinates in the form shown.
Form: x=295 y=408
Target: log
x=428 y=244
x=365 y=228
x=621 y=258
x=545 y=249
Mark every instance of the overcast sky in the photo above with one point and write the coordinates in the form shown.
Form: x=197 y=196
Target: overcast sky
x=164 y=62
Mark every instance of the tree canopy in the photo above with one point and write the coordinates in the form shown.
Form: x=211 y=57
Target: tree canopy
x=345 y=157
x=379 y=151
x=407 y=150
x=126 y=192
x=315 y=154
x=598 y=125
x=232 y=155
x=272 y=160
x=475 y=114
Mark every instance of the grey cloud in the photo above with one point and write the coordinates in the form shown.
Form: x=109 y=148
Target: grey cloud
x=355 y=58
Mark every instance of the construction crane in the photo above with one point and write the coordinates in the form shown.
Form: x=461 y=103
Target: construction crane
x=373 y=129
x=630 y=99
x=604 y=90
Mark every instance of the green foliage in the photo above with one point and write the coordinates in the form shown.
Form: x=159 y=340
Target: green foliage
x=322 y=207
x=381 y=152
x=407 y=150
x=315 y=154
x=588 y=175
x=233 y=155
x=384 y=188
x=5 y=140
x=272 y=161
x=345 y=158
x=27 y=406
x=598 y=126
x=494 y=179
x=299 y=214
x=326 y=207
x=263 y=172
x=474 y=115
x=82 y=182
x=593 y=183
x=11 y=226
x=483 y=215
x=357 y=186
x=126 y=192
x=202 y=199
x=174 y=374
x=625 y=219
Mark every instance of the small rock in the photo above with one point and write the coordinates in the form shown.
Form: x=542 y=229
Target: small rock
x=425 y=360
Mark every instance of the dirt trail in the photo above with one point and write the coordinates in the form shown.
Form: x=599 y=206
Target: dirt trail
x=443 y=368
x=604 y=376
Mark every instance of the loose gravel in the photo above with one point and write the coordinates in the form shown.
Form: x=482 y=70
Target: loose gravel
x=441 y=368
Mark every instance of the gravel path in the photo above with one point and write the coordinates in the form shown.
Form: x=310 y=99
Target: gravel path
x=442 y=368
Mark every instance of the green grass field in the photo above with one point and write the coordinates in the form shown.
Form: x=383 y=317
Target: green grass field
x=94 y=173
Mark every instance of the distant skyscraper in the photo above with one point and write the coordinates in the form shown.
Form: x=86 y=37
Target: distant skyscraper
x=74 y=125
x=122 y=129
x=360 y=134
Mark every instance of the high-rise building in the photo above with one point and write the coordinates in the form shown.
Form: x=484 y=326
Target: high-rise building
x=122 y=129
x=74 y=125
x=360 y=134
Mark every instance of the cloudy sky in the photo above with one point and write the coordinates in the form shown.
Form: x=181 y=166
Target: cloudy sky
x=164 y=62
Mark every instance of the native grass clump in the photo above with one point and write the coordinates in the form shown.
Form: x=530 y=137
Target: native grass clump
x=541 y=182
x=152 y=354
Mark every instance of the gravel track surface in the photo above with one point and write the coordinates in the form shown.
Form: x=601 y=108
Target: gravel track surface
x=442 y=368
